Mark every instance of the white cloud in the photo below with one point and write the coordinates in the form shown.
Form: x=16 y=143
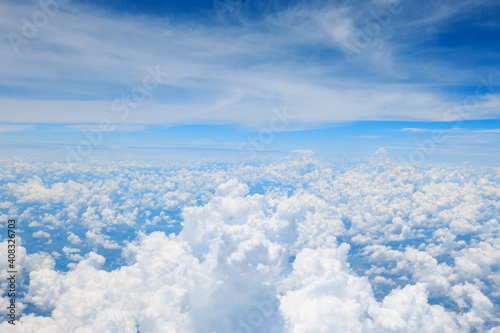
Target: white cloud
x=41 y=233
x=320 y=246
x=302 y=152
x=408 y=310
x=118 y=128
x=73 y=239
x=96 y=239
x=492 y=130
x=16 y=128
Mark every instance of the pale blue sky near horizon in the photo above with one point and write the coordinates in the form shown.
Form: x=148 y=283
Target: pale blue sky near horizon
x=473 y=141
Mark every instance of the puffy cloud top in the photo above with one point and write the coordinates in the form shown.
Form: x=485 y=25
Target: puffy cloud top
x=292 y=245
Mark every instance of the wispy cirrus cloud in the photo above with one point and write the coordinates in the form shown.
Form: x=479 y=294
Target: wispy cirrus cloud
x=16 y=128
x=87 y=57
x=118 y=128
x=491 y=130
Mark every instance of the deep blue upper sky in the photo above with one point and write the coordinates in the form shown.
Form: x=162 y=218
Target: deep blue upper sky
x=189 y=8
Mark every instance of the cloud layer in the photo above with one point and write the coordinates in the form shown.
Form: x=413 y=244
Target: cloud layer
x=292 y=245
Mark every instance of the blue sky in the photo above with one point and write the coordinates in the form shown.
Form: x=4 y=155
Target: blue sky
x=359 y=74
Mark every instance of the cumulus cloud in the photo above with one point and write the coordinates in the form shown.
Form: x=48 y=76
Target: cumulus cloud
x=41 y=233
x=97 y=239
x=74 y=239
x=285 y=245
